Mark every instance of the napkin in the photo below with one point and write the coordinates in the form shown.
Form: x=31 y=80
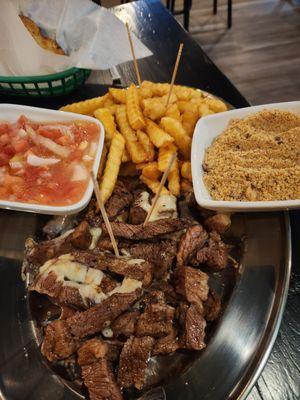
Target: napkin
x=91 y=36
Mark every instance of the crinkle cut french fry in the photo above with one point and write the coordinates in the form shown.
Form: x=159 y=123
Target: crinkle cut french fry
x=164 y=155
x=157 y=135
x=151 y=171
x=133 y=109
x=145 y=92
x=153 y=108
x=216 y=105
x=176 y=130
x=105 y=116
x=147 y=144
x=158 y=89
x=129 y=169
x=174 y=179
x=183 y=92
x=189 y=120
x=102 y=161
x=133 y=146
x=204 y=110
x=87 y=106
x=125 y=157
x=186 y=170
x=187 y=106
x=173 y=111
x=153 y=185
x=112 y=166
x=119 y=95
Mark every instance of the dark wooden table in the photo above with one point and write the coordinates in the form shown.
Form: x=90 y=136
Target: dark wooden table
x=162 y=34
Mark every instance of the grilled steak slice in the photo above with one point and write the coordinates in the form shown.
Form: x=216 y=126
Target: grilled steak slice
x=192 y=284
x=167 y=344
x=133 y=361
x=194 y=328
x=39 y=253
x=58 y=342
x=96 y=318
x=218 y=222
x=150 y=230
x=194 y=238
x=105 y=244
x=107 y=284
x=156 y=321
x=161 y=255
x=91 y=351
x=100 y=381
x=120 y=199
x=214 y=254
x=66 y=312
x=81 y=238
x=124 y=325
x=168 y=291
x=138 y=210
x=212 y=306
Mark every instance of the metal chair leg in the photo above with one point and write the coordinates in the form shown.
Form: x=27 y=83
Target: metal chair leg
x=215 y=6
x=229 y=14
x=186 y=13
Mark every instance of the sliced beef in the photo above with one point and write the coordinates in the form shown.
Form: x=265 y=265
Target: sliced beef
x=108 y=284
x=120 y=199
x=58 y=342
x=124 y=325
x=167 y=344
x=105 y=244
x=156 y=321
x=39 y=253
x=100 y=382
x=192 y=284
x=137 y=213
x=218 y=222
x=194 y=328
x=150 y=230
x=81 y=238
x=138 y=269
x=93 y=215
x=214 y=254
x=91 y=351
x=67 y=312
x=194 y=238
x=168 y=291
x=212 y=306
x=96 y=318
x=161 y=254
x=133 y=361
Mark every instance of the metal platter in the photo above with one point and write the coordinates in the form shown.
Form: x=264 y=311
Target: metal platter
x=227 y=368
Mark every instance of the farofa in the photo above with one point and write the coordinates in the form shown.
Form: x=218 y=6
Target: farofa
x=256 y=159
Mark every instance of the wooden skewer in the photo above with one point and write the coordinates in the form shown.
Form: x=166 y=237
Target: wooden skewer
x=174 y=72
x=161 y=185
x=104 y=215
x=137 y=72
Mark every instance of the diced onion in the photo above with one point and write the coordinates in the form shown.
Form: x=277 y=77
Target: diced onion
x=87 y=158
x=65 y=130
x=93 y=148
x=79 y=173
x=48 y=143
x=22 y=133
x=36 y=161
x=16 y=164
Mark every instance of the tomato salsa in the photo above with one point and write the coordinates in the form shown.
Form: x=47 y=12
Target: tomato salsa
x=46 y=163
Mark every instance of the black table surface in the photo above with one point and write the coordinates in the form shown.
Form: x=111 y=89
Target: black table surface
x=156 y=27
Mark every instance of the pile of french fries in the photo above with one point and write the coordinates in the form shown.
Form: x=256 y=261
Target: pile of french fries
x=142 y=132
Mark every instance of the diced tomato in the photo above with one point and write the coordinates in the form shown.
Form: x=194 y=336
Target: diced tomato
x=4 y=159
x=4 y=139
x=4 y=192
x=63 y=140
x=49 y=133
x=22 y=121
x=20 y=145
x=9 y=150
x=4 y=128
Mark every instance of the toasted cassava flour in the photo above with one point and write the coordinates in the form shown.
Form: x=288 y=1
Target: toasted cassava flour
x=256 y=158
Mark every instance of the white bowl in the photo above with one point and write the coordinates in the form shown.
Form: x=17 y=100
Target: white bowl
x=206 y=130
x=11 y=112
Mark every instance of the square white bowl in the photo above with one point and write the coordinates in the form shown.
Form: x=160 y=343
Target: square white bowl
x=206 y=130
x=10 y=113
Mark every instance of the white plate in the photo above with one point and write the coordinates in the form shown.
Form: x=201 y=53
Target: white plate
x=11 y=112
x=206 y=130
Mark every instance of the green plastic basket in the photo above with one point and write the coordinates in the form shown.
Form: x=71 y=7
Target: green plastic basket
x=45 y=85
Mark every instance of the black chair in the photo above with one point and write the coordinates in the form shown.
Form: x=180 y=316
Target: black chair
x=187 y=5
x=229 y=11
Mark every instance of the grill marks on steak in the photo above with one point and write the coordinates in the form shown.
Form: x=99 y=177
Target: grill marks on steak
x=150 y=230
x=133 y=361
x=58 y=342
x=96 y=318
x=194 y=238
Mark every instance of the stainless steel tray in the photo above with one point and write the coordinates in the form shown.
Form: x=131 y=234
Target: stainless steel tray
x=227 y=368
